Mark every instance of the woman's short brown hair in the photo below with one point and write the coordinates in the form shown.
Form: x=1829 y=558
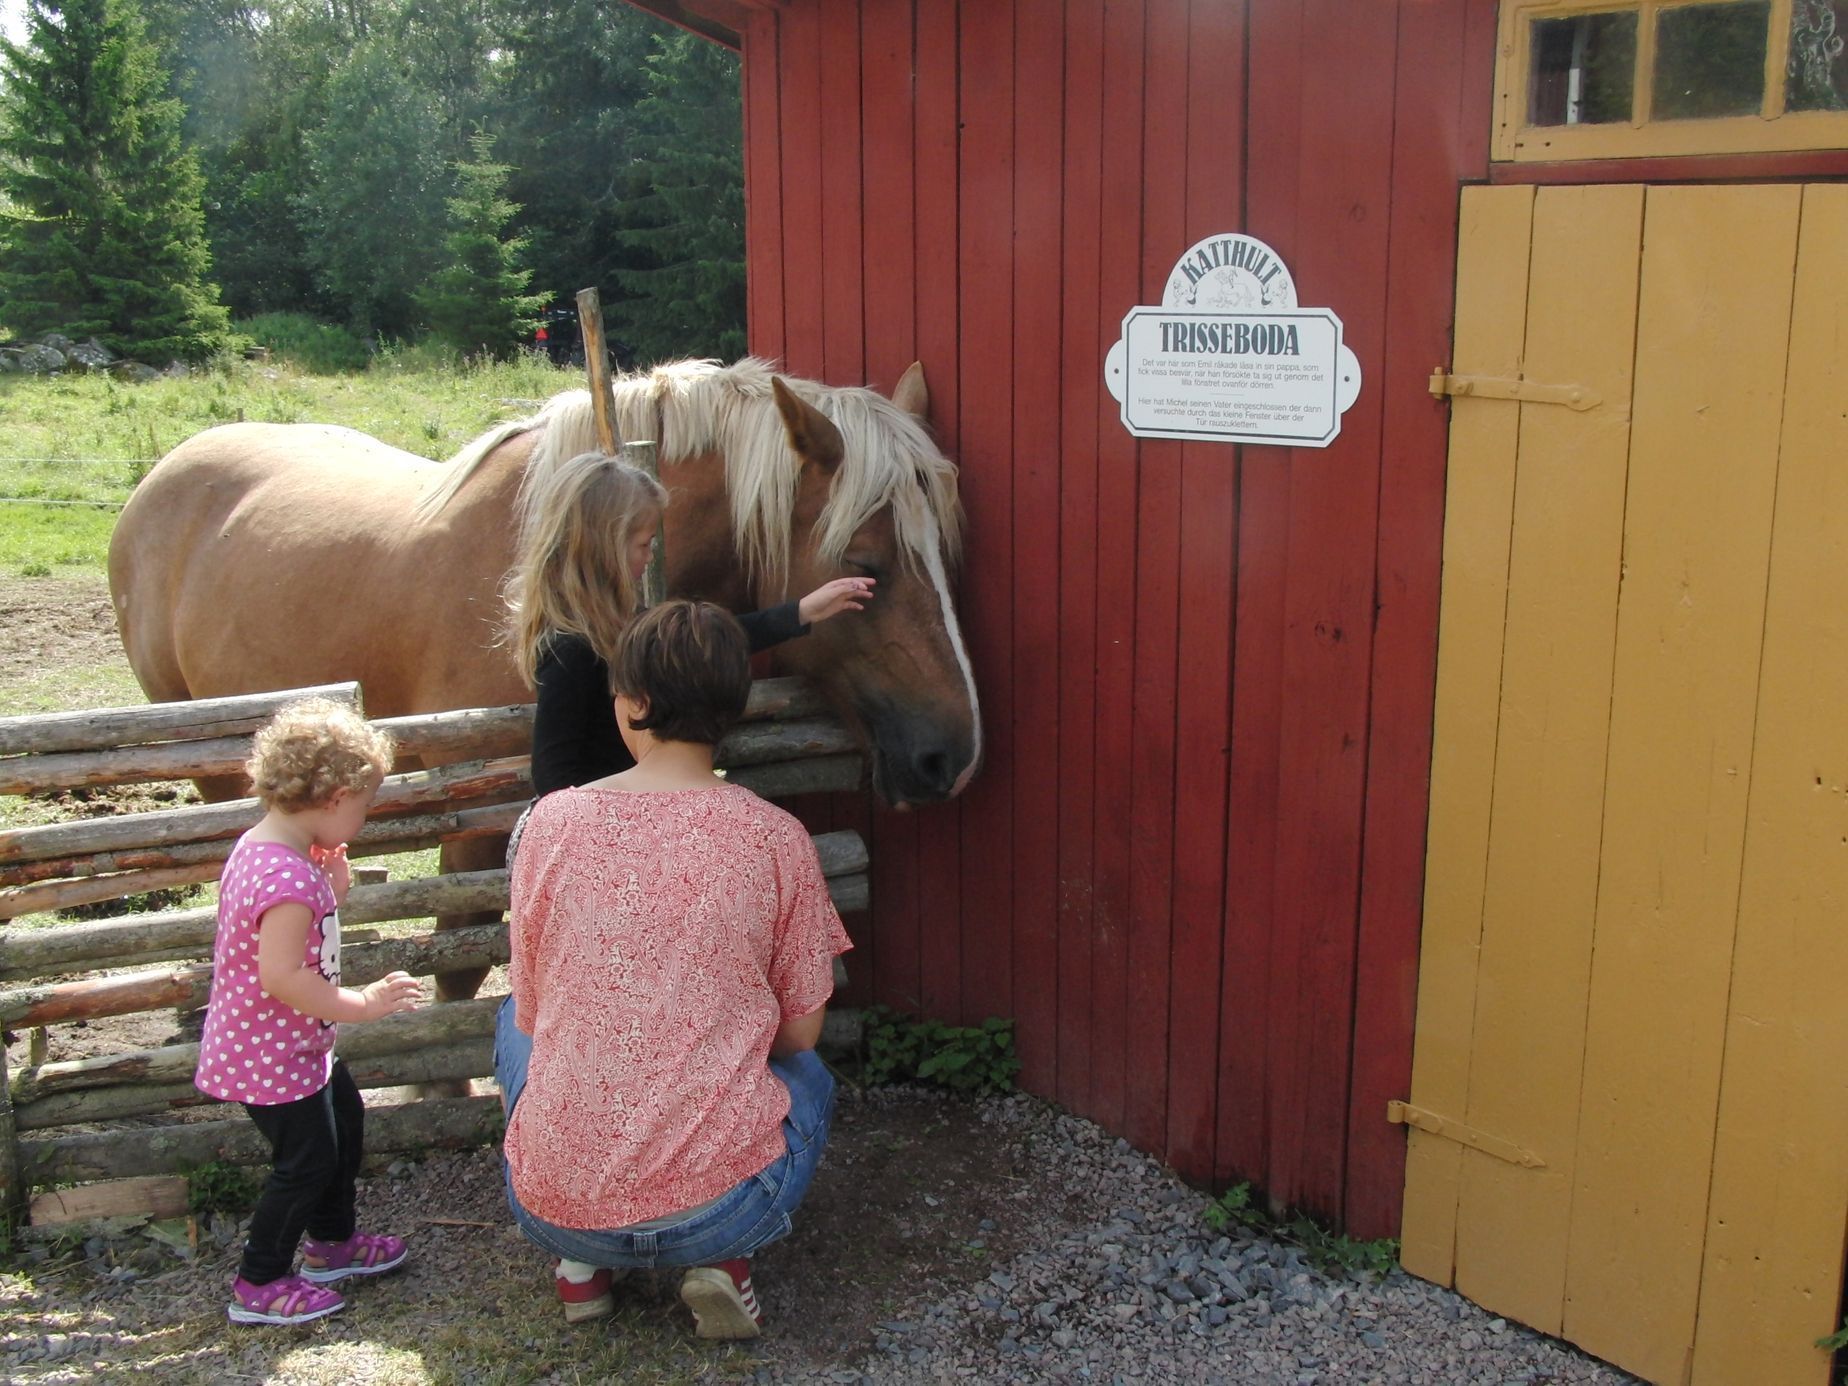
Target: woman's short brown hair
x=691 y=664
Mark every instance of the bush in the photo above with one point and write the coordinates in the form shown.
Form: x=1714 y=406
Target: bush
x=316 y=347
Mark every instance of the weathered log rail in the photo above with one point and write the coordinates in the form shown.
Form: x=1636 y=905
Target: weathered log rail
x=474 y=780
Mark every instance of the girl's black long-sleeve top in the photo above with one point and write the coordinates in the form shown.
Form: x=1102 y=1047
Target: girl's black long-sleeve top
x=575 y=739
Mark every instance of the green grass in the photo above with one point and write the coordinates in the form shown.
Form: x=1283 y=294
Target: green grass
x=89 y=438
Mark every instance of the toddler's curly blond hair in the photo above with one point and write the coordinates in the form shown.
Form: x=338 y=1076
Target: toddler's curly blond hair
x=311 y=750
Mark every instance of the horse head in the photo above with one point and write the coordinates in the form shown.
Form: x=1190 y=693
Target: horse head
x=899 y=670
x=874 y=498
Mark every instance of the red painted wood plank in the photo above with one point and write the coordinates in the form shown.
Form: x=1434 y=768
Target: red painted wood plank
x=1421 y=272
x=799 y=52
x=1340 y=259
x=986 y=243
x=1038 y=299
x=1476 y=97
x=843 y=343
x=1081 y=392
x=763 y=191
x=1153 y=808
x=1208 y=549
x=1119 y=284
x=939 y=328
x=890 y=272
x=842 y=245
x=1275 y=42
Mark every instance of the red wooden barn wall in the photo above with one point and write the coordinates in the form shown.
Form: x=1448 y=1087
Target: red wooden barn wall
x=1192 y=867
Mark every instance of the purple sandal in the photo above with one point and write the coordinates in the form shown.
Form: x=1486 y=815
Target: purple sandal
x=288 y=1300
x=363 y=1253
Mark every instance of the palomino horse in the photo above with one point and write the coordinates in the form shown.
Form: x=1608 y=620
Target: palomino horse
x=264 y=556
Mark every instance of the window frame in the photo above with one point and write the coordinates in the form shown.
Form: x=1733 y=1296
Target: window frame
x=1771 y=130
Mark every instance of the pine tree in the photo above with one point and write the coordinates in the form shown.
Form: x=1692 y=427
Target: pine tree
x=107 y=233
x=372 y=207
x=478 y=301
x=687 y=214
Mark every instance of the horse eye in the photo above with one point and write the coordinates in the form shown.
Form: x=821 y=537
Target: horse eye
x=867 y=569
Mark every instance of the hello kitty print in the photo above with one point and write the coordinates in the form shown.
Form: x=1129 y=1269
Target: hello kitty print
x=255 y=1049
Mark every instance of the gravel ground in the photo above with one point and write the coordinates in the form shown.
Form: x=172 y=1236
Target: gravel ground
x=995 y=1241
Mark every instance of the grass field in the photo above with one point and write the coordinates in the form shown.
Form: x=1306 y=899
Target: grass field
x=73 y=447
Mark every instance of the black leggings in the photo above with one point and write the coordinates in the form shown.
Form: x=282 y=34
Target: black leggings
x=316 y=1145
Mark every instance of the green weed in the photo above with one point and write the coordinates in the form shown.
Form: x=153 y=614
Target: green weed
x=963 y=1058
x=1327 y=1251
x=1837 y=1341
x=220 y=1187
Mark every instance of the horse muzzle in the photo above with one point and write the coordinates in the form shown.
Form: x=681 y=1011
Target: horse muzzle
x=919 y=763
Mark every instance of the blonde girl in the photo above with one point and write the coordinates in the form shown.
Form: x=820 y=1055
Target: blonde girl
x=590 y=524
x=268 y=1041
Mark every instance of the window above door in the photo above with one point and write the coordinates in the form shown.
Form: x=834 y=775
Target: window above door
x=1643 y=78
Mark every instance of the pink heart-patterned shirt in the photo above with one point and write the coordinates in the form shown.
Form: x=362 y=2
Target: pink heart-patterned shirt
x=254 y=1048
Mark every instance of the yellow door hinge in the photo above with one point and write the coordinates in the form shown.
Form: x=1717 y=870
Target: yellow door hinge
x=1405 y=1114
x=1501 y=387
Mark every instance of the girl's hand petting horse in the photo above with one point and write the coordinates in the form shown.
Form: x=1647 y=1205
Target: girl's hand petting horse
x=832 y=598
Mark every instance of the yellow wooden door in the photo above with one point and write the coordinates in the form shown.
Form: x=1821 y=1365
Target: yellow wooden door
x=1629 y=1097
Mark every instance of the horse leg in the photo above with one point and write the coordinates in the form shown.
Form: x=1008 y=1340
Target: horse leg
x=471 y=854
x=461 y=984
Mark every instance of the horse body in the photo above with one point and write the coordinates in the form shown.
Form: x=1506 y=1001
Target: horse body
x=240 y=566
x=265 y=556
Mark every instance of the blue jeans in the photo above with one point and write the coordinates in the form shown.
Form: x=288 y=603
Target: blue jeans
x=752 y=1214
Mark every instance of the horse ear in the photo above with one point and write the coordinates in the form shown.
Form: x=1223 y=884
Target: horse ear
x=811 y=433
x=912 y=394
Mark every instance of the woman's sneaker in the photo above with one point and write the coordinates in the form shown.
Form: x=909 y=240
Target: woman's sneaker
x=584 y=1296
x=363 y=1253
x=723 y=1303
x=288 y=1300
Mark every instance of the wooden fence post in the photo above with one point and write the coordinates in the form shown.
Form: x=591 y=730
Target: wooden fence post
x=636 y=452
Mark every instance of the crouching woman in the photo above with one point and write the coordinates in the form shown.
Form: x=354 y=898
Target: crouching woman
x=673 y=947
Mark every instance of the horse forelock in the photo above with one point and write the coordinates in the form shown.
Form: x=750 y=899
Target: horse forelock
x=692 y=408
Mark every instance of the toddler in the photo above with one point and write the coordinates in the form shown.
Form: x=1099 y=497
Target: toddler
x=268 y=1041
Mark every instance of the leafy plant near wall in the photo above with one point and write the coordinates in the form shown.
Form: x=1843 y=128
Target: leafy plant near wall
x=1328 y=1251
x=220 y=1187
x=964 y=1058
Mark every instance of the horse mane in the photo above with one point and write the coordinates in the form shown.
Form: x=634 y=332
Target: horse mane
x=693 y=407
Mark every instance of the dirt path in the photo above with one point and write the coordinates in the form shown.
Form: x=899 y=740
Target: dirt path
x=53 y=622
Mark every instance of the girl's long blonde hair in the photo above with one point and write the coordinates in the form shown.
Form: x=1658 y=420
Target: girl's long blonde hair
x=572 y=577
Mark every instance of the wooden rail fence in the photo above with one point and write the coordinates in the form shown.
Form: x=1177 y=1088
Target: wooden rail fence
x=64 y=1121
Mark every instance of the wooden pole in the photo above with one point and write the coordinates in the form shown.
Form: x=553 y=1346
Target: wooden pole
x=432 y=1027
x=130 y=993
x=473 y=1058
x=12 y=1189
x=475 y=733
x=597 y=363
x=440 y=1122
x=106 y=728
x=638 y=452
x=388 y=835
x=182 y=935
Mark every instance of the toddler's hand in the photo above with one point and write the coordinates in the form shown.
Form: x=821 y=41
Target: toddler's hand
x=832 y=598
x=333 y=861
x=395 y=991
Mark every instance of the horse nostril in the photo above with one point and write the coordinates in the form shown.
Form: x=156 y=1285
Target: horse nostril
x=935 y=770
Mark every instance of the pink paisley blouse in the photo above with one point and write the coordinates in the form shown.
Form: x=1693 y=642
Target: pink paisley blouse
x=659 y=940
